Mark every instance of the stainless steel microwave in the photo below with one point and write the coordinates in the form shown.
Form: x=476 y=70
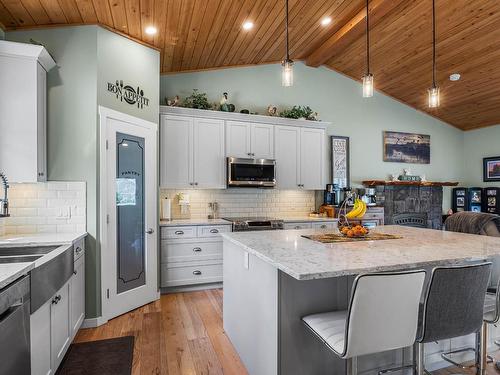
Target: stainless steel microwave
x=251 y=172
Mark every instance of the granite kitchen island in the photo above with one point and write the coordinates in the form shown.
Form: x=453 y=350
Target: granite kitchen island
x=273 y=278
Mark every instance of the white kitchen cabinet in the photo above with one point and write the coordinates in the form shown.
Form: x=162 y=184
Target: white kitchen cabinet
x=300 y=158
x=60 y=329
x=312 y=158
x=192 y=153
x=40 y=340
x=249 y=140
x=176 y=152
x=287 y=157
x=23 y=111
x=208 y=154
x=77 y=296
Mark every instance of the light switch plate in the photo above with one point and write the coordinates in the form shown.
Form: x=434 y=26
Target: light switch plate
x=246 y=260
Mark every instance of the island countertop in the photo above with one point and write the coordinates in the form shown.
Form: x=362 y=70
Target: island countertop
x=305 y=259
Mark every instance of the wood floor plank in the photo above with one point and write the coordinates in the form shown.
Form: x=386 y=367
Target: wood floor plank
x=150 y=348
x=204 y=357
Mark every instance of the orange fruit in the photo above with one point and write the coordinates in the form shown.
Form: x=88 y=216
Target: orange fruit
x=364 y=230
x=350 y=233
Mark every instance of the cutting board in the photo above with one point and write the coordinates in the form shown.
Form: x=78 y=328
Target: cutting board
x=335 y=237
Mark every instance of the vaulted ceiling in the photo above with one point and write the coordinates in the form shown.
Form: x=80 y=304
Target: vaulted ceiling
x=207 y=34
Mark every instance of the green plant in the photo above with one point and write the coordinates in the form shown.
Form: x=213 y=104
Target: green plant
x=197 y=100
x=297 y=112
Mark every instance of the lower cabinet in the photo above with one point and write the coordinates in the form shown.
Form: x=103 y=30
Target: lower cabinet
x=54 y=325
x=191 y=255
x=331 y=224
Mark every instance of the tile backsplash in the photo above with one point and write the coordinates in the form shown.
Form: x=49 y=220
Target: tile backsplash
x=243 y=202
x=53 y=207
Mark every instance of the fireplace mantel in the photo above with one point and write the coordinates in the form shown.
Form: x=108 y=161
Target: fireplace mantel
x=407 y=183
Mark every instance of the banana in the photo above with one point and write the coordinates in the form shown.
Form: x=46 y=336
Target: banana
x=363 y=210
x=356 y=210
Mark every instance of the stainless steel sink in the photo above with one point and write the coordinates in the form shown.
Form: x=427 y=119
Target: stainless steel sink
x=19 y=259
x=26 y=250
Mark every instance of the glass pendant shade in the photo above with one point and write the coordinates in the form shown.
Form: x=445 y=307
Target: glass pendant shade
x=287 y=73
x=368 y=85
x=433 y=97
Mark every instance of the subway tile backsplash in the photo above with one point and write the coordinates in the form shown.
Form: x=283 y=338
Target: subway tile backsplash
x=52 y=207
x=244 y=202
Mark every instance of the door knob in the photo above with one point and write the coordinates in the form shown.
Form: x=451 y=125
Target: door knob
x=150 y=231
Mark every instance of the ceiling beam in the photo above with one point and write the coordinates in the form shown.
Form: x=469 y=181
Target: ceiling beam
x=350 y=32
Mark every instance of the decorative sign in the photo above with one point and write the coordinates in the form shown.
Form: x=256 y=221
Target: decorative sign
x=127 y=93
x=340 y=161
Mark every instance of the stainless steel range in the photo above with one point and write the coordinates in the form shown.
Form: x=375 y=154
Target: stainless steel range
x=242 y=224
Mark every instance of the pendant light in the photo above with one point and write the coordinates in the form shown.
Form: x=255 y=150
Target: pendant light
x=368 y=77
x=287 y=63
x=433 y=92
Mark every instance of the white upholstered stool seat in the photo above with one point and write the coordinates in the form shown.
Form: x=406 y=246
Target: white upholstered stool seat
x=330 y=328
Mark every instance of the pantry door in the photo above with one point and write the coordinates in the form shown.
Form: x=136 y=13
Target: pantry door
x=129 y=269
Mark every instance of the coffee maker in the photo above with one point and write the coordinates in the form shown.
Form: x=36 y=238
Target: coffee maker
x=332 y=195
x=369 y=196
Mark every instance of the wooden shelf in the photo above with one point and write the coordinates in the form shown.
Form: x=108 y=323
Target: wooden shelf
x=407 y=183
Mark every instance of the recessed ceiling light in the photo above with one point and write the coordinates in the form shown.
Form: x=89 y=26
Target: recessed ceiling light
x=247 y=25
x=151 y=30
x=455 y=77
x=326 y=21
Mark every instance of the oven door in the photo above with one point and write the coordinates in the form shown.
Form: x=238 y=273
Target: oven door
x=251 y=172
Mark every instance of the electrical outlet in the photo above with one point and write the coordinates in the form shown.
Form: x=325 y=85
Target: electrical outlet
x=246 y=260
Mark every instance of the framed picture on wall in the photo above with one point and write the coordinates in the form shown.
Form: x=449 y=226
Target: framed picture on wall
x=407 y=147
x=340 y=161
x=491 y=169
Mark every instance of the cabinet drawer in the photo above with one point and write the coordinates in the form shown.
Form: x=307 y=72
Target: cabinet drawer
x=188 y=275
x=297 y=226
x=178 y=232
x=188 y=251
x=213 y=231
x=325 y=225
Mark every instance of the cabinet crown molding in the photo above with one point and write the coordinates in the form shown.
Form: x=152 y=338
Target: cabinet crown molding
x=26 y=50
x=235 y=116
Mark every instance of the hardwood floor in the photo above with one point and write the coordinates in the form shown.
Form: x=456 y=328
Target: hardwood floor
x=182 y=334
x=179 y=334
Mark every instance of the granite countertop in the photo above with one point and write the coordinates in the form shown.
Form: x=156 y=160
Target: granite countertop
x=307 y=219
x=11 y=271
x=187 y=222
x=305 y=259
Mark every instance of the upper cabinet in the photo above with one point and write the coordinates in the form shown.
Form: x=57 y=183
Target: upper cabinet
x=300 y=158
x=23 y=111
x=194 y=145
x=191 y=153
x=249 y=140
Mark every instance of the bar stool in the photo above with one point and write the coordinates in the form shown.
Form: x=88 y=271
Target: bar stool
x=453 y=307
x=382 y=315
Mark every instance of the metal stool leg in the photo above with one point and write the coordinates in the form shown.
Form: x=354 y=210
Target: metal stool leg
x=483 y=349
x=352 y=366
x=419 y=358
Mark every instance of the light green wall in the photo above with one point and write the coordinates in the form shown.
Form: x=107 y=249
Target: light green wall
x=121 y=59
x=479 y=144
x=2 y=34
x=338 y=100
x=88 y=56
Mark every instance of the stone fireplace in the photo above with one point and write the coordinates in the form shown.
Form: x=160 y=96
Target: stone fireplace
x=411 y=202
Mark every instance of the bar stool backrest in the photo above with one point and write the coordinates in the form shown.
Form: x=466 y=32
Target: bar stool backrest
x=454 y=301
x=383 y=312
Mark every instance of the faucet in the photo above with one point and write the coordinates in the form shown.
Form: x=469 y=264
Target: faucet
x=4 y=203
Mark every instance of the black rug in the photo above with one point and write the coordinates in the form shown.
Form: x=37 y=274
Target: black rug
x=103 y=357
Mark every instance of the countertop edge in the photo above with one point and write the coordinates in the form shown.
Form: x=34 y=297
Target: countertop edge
x=14 y=276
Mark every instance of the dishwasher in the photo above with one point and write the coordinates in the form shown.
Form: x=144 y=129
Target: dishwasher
x=15 y=328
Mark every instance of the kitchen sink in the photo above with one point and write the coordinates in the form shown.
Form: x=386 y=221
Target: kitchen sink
x=19 y=259
x=26 y=250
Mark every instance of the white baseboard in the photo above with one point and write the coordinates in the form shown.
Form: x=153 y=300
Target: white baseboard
x=190 y=288
x=93 y=322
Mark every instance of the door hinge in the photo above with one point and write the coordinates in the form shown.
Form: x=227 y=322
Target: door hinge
x=107 y=219
x=107 y=144
x=107 y=292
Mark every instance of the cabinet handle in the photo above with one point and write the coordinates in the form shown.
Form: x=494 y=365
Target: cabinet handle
x=323 y=226
x=179 y=232
x=75 y=272
x=197 y=273
x=78 y=250
x=297 y=227
x=197 y=249
x=214 y=231
x=40 y=174
x=195 y=184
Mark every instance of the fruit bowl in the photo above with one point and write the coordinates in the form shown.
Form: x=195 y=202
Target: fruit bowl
x=355 y=231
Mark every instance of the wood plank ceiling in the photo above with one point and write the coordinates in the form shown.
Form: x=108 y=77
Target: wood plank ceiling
x=207 y=34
